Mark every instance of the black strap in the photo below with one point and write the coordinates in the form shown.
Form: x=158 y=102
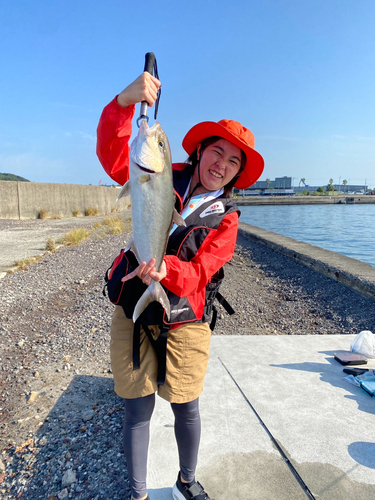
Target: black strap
x=137 y=345
x=225 y=304
x=160 y=347
x=195 y=490
x=214 y=318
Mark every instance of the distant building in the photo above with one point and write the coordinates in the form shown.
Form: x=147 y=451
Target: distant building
x=286 y=184
x=278 y=183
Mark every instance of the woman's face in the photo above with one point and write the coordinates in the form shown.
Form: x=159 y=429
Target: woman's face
x=219 y=163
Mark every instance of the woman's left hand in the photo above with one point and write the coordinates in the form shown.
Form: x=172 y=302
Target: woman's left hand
x=147 y=272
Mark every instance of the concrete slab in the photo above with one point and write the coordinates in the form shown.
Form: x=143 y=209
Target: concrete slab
x=28 y=238
x=323 y=424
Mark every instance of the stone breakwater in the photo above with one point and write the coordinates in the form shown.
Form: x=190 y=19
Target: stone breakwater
x=61 y=422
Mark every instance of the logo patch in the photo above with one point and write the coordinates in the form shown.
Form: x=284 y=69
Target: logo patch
x=216 y=208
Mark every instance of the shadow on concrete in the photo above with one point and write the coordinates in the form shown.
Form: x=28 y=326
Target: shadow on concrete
x=363 y=453
x=82 y=432
x=335 y=378
x=160 y=493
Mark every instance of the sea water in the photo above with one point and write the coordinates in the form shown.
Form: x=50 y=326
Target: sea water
x=341 y=228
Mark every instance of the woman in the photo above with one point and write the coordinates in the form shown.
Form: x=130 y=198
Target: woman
x=221 y=156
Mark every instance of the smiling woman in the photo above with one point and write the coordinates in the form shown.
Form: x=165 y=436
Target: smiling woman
x=218 y=158
x=144 y=359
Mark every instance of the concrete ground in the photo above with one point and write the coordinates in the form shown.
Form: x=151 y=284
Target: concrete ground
x=279 y=422
x=27 y=238
x=267 y=400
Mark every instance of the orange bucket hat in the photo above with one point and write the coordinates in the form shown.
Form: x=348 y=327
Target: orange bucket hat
x=237 y=134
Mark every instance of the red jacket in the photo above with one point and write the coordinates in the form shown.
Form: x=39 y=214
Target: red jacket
x=183 y=278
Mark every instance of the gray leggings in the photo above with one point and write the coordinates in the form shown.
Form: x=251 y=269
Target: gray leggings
x=187 y=429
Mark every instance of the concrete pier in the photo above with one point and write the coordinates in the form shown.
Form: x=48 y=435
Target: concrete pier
x=352 y=273
x=305 y=200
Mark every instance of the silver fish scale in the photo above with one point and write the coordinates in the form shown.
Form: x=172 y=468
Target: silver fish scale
x=152 y=211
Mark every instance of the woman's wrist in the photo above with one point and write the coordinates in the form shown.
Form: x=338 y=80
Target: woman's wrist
x=122 y=101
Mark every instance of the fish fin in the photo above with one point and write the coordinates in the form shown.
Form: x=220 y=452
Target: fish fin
x=125 y=191
x=177 y=219
x=153 y=292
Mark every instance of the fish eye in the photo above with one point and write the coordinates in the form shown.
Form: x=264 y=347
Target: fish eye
x=161 y=144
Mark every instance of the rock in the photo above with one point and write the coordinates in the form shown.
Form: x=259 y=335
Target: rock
x=63 y=494
x=83 y=428
x=88 y=415
x=36 y=375
x=69 y=477
x=32 y=397
x=2 y=466
x=68 y=455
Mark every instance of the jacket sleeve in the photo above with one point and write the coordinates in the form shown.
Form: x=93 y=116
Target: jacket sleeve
x=187 y=278
x=113 y=135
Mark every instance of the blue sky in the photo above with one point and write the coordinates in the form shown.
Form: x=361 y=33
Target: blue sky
x=299 y=74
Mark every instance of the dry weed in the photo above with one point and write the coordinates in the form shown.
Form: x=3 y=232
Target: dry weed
x=43 y=213
x=23 y=264
x=90 y=211
x=114 y=225
x=51 y=245
x=75 y=236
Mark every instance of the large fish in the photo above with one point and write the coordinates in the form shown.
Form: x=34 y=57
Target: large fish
x=150 y=186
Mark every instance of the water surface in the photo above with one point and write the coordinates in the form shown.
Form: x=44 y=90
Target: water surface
x=345 y=229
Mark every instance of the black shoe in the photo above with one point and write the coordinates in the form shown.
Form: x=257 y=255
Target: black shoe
x=189 y=491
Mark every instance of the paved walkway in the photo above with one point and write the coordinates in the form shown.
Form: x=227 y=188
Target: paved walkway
x=20 y=239
x=268 y=399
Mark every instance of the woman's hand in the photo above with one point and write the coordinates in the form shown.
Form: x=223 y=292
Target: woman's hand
x=144 y=88
x=147 y=272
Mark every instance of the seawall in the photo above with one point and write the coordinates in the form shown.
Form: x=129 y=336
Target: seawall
x=304 y=200
x=354 y=274
x=24 y=200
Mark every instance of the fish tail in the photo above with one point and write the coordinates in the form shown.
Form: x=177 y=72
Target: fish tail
x=153 y=292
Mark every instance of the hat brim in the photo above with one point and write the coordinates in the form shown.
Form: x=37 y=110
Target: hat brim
x=254 y=161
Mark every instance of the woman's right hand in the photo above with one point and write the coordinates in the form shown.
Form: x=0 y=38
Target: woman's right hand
x=144 y=88
x=147 y=272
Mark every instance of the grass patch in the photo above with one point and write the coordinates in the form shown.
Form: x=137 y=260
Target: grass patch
x=113 y=210
x=51 y=245
x=43 y=214
x=23 y=264
x=90 y=211
x=76 y=213
x=128 y=224
x=114 y=225
x=75 y=236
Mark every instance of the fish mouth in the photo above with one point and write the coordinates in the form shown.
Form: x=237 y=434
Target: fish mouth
x=146 y=169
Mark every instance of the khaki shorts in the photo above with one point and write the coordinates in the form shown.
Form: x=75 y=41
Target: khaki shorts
x=187 y=358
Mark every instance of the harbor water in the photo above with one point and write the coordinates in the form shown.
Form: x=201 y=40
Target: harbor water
x=341 y=228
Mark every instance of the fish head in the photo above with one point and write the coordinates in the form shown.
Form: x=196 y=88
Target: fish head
x=150 y=150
